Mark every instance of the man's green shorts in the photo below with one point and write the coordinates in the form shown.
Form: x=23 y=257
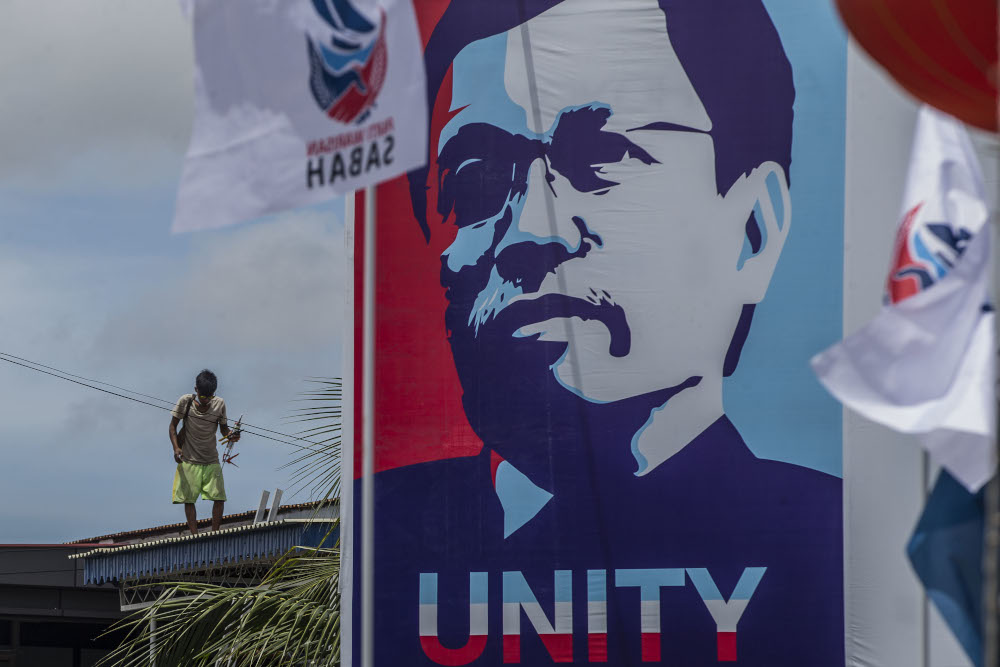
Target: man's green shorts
x=192 y=479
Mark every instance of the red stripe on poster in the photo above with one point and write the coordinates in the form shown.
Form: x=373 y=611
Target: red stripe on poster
x=727 y=646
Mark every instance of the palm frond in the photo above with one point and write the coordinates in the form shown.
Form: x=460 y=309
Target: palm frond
x=290 y=618
x=318 y=469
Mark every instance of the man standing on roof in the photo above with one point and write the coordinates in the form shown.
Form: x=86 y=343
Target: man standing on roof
x=198 y=468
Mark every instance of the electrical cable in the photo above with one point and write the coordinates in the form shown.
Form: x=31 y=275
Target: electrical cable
x=69 y=377
x=170 y=404
x=80 y=377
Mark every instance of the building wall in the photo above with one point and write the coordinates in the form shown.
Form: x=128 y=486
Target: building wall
x=48 y=618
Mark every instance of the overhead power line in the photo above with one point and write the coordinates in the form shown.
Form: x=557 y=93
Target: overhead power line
x=168 y=406
x=80 y=377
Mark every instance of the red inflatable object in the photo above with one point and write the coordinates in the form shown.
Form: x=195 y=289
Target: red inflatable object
x=942 y=51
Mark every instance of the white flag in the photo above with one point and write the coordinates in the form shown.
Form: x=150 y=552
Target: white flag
x=297 y=101
x=925 y=364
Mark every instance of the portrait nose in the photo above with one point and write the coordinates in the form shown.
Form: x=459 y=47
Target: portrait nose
x=543 y=235
x=539 y=219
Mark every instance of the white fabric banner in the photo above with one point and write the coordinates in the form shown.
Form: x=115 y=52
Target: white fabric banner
x=924 y=365
x=297 y=101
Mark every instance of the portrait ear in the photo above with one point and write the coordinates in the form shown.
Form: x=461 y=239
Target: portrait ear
x=765 y=190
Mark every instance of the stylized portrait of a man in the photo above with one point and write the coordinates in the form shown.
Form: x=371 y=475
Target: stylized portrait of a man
x=617 y=174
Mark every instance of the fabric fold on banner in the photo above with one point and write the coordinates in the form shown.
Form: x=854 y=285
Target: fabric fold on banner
x=297 y=102
x=924 y=365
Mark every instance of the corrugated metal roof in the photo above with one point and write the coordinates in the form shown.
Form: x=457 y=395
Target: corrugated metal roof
x=177 y=527
x=75 y=545
x=259 y=541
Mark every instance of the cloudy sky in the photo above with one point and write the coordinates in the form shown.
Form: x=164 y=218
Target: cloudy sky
x=95 y=115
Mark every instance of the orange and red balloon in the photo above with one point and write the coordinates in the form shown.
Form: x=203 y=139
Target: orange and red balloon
x=942 y=51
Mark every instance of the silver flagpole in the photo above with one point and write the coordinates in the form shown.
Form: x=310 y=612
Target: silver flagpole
x=348 y=544
x=368 y=436
x=991 y=537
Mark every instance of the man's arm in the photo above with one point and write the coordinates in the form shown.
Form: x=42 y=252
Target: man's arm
x=174 y=421
x=224 y=426
x=225 y=430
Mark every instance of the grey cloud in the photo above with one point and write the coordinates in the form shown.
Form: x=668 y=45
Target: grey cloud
x=48 y=297
x=266 y=287
x=94 y=415
x=79 y=76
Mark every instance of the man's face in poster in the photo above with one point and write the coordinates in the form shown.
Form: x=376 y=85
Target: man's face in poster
x=594 y=242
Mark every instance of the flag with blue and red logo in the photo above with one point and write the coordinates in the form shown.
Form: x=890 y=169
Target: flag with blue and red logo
x=925 y=364
x=297 y=102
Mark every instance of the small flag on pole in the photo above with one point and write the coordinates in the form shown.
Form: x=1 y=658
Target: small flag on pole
x=299 y=101
x=925 y=364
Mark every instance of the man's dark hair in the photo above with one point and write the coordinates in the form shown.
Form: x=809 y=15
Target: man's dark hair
x=206 y=383
x=729 y=49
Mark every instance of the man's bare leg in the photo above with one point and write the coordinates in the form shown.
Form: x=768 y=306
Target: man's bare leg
x=192 y=517
x=217 y=513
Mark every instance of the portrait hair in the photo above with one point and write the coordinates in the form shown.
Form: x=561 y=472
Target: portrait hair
x=731 y=53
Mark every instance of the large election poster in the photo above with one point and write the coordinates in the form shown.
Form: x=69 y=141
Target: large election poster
x=598 y=439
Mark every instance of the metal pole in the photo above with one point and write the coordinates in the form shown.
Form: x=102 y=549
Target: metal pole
x=991 y=530
x=347 y=453
x=991 y=537
x=925 y=607
x=368 y=437
x=152 y=639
